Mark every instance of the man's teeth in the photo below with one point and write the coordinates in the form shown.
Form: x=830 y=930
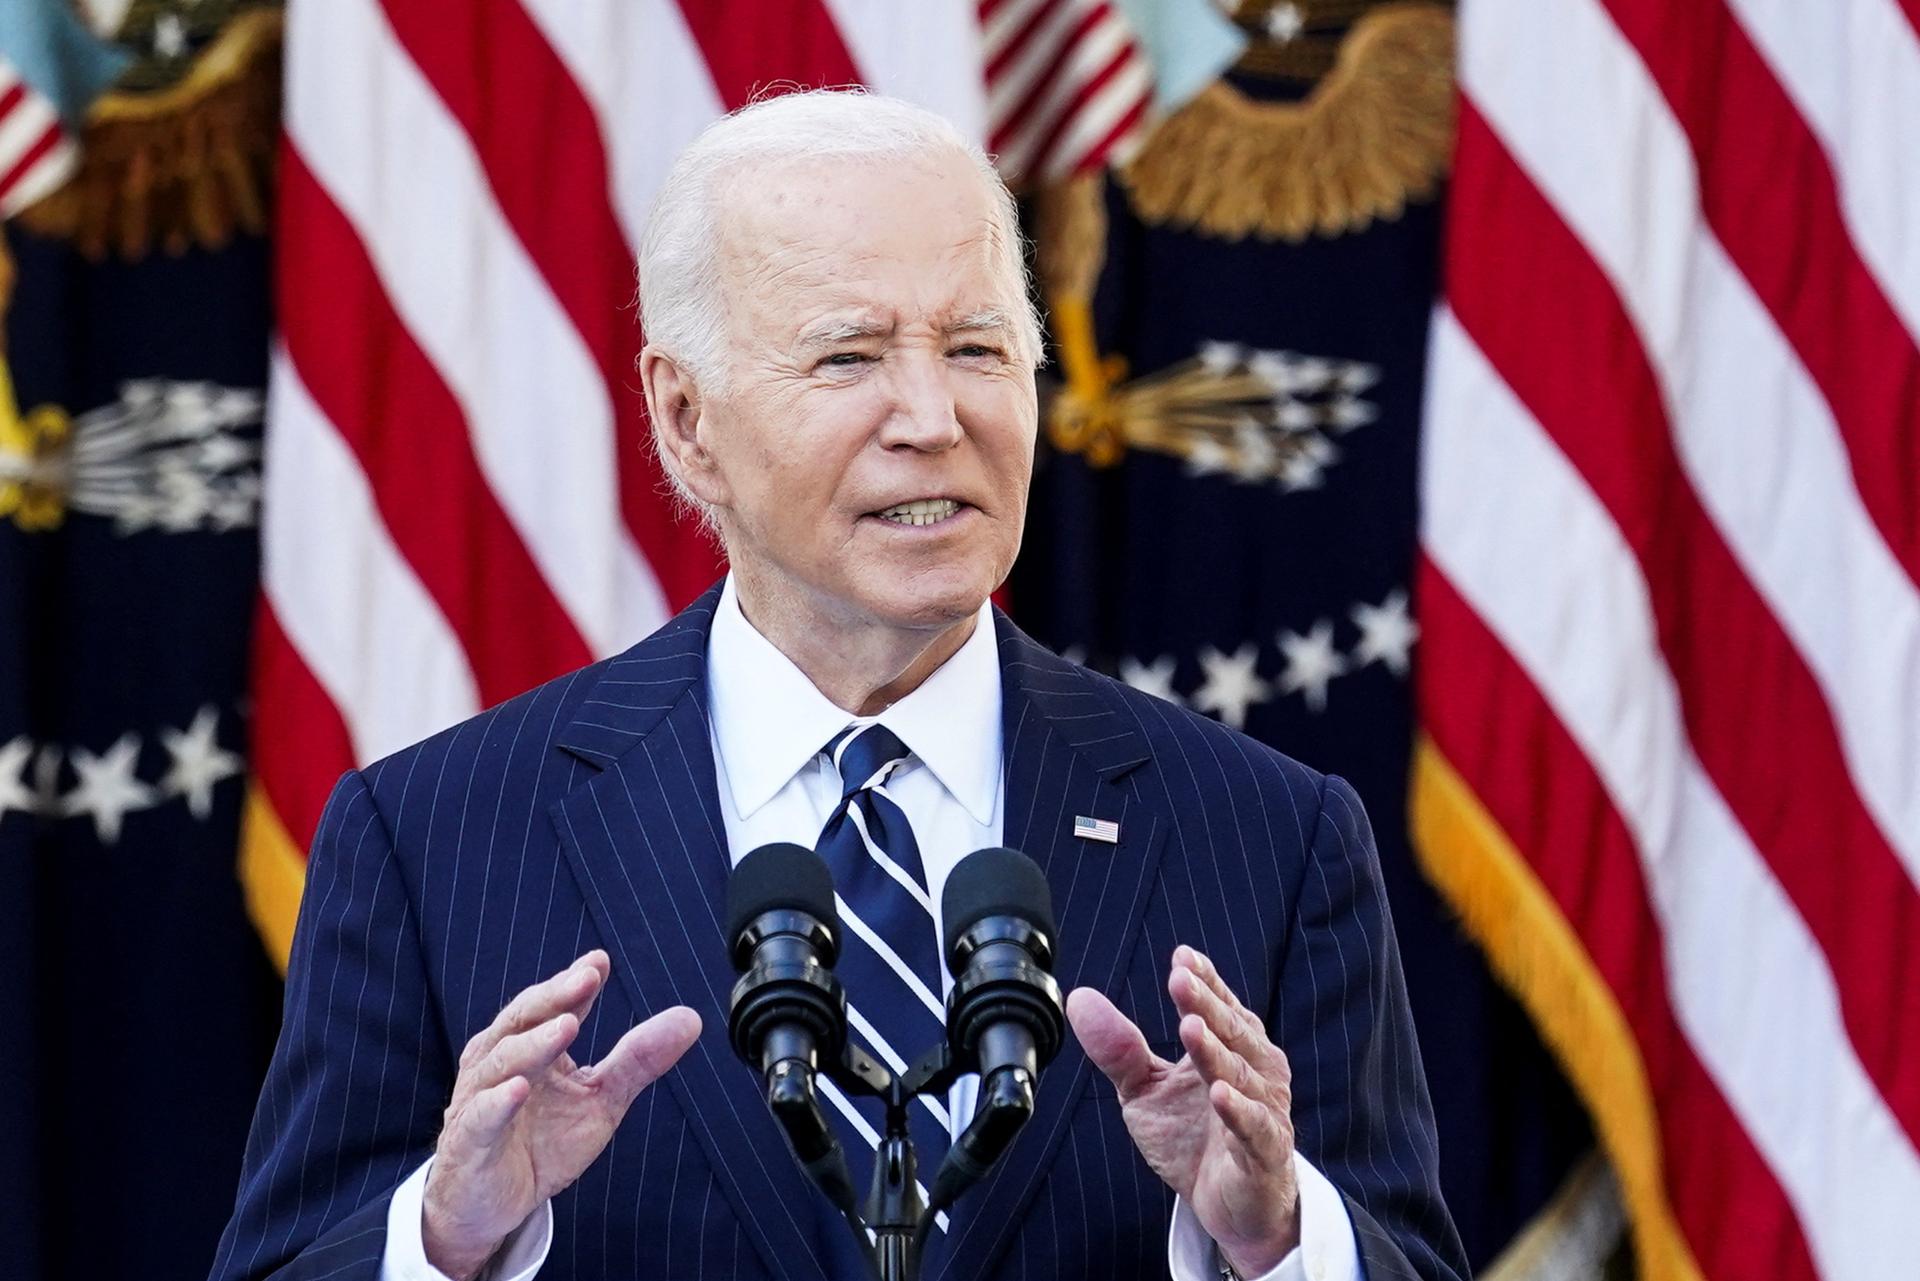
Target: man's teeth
x=924 y=511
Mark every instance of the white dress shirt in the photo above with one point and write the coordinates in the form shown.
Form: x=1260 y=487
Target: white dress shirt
x=769 y=724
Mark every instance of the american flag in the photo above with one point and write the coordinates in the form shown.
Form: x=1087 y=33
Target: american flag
x=1069 y=88
x=459 y=502
x=1670 y=669
x=36 y=155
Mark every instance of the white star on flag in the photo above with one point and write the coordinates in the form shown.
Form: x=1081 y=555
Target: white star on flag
x=1155 y=678
x=1312 y=663
x=14 y=792
x=107 y=789
x=1387 y=633
x=1231 y=685
x=199 y=762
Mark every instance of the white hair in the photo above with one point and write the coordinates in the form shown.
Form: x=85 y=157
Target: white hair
x=680 y=304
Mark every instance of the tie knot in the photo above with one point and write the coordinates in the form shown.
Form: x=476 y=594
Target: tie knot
x=865 y=755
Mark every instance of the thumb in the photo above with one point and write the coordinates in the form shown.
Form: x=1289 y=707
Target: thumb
x=1111 y=1040
x=645 y=1053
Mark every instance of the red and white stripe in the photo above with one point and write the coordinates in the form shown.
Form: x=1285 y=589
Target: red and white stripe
x=1068 y=88
x=1671 y=571
x=460 y=503
x=35 y=153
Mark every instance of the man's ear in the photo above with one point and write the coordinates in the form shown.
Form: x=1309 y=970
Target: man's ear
x=677 y=410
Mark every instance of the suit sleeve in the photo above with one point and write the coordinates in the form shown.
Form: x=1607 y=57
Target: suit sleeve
x=353 y=1096
x=1360 y=1105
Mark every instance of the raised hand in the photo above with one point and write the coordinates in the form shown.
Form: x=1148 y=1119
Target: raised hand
x=1217 y=1126
x=526 y=1120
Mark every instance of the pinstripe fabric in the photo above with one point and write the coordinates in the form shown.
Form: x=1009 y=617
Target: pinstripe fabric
x=584 y=813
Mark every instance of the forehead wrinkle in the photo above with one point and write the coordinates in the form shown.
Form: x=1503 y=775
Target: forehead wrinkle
x=768 y=269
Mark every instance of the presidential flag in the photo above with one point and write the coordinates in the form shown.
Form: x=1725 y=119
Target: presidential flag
x=137 y=1008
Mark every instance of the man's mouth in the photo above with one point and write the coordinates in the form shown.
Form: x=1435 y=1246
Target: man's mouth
x=922 y=511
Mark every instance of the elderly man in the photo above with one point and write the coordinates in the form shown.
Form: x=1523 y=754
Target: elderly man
x=505 y=1048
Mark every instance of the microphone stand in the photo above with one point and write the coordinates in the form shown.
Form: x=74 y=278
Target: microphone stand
x=896 y=1212
x=896 y=1215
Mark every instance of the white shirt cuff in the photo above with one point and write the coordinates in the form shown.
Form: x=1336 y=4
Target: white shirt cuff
x=519 y=1256
x=1327 y=1249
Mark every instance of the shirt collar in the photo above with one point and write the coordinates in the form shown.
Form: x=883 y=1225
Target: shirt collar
x=769 y=720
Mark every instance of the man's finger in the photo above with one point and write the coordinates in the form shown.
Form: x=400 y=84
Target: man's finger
x=527 y=1053
x=584 y=1006
x=489 y=1113
x=1116 y=1046
x=1201 y=964
x=644 y=1054
x=535 y=1005
x=1252 y=1123
x=1209 y=974
x=1216 y=1059
x=1230 y=1021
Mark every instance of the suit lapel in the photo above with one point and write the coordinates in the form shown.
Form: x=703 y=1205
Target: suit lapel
x=646 y=841
x=1068 y=751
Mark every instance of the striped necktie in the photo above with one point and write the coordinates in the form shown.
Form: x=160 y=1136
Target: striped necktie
x=889 y=950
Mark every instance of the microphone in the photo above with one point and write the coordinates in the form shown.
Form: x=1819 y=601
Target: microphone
x=1004 y=1015
x=788 y=1011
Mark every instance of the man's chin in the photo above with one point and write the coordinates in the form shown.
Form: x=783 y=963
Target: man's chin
x=930 y=614
x=929 y=601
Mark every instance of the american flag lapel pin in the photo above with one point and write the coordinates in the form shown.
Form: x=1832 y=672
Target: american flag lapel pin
x=1096 y=829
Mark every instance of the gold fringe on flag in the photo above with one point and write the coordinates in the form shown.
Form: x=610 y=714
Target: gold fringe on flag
x=1536 y=953
x=272 y=874
x=1374 y=134
x=188 y=165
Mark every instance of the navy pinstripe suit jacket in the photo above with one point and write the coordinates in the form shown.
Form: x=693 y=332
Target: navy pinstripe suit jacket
x=447 y=877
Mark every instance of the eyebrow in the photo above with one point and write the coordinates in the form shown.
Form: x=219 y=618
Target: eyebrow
x=986 y=318
x=830 y=333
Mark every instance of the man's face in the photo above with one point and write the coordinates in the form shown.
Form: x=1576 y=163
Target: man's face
x=874 y=363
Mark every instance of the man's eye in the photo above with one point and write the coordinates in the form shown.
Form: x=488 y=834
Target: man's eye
x=846 y=358
x=975 y=349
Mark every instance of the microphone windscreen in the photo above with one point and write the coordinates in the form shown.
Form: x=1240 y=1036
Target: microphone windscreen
x=994 y=882
x=775 y=877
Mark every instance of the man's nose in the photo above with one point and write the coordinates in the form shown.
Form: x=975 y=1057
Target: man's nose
x=924 y=414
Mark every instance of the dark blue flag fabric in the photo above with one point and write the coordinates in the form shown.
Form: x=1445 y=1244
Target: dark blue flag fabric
x=137 y=1006
x=1226 y=513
